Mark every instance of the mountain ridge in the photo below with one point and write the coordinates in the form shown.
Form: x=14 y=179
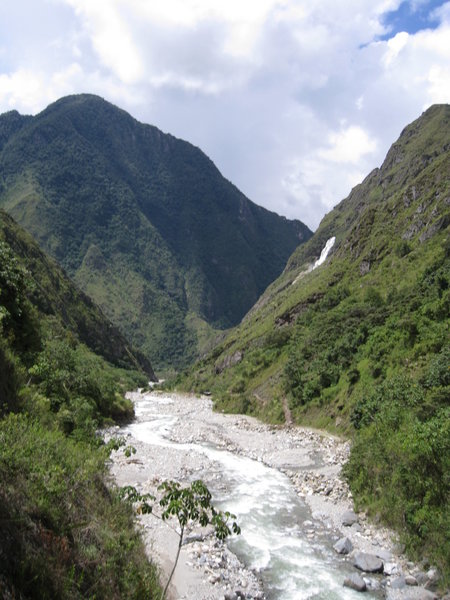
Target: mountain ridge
x=64 y=374
x=360 y=344
x=358 y=196
x=182 y=238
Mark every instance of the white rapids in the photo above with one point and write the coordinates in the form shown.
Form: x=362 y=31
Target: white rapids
x=274 y=543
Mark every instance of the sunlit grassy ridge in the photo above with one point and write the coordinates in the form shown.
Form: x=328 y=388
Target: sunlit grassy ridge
x=330 y=343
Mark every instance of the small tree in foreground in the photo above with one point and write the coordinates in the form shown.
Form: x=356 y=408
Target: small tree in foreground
x=190 y=504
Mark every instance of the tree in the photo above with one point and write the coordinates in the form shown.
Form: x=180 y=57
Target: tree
x=191 y=504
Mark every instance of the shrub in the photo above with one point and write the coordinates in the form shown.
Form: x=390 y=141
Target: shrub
x=63 y=532
x=400 y=461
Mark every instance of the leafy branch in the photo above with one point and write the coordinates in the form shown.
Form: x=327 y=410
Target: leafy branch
x=191 y=504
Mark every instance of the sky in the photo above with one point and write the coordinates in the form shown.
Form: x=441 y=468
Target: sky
x=295 y=101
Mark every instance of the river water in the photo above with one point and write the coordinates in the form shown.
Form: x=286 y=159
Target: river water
x=274 y=520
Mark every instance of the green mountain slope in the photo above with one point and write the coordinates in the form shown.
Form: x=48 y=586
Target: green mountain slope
x=361 y=343
x=143 y=222
x=54 y=295
x=64 y=532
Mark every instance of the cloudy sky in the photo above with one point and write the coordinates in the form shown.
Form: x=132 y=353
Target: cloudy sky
x=294 y=100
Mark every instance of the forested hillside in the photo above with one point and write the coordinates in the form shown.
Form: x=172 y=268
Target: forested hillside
x=144 y=223
x=360 y=344
x=64 y=532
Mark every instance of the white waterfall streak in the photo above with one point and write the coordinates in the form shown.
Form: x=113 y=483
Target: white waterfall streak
x=324 y=253
x=322 y=258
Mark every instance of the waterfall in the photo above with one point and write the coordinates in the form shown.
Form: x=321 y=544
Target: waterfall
x=324 y=253
x=322 y=258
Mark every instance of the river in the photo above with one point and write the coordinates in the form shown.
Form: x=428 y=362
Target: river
x=284 y=543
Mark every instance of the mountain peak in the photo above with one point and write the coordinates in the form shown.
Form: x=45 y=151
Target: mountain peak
x=183 y=250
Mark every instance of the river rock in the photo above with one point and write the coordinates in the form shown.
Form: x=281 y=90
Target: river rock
x=410 y=580
x=390 y=568
x=368 y=563
x=410 y=593
x=343 y=546
x=349 y=518
x=355 y=582
x=385 y=555
x=398 y=583
x=194 y=537
x=433 y=575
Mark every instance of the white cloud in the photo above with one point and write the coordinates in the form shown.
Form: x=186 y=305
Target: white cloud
x=17 y=89
x=438 y=89
x=111 y=38
x=394 y=46
x=294 y=100
x=348 y=145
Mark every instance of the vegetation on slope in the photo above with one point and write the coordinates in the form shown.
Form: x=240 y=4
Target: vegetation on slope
x=361 y=344
x=52 y=293
x=143 y=222
x=63 y=530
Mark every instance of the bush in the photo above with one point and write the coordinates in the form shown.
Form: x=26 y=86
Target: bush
x=400 y=461
x=63 y=532
x=83 y=389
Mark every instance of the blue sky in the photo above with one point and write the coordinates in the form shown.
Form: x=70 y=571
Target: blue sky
x=295 y=101
x=411 y=17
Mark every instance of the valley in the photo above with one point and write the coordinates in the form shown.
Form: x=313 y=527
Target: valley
x=285 y=487
x=330 y=352
x=143 y=222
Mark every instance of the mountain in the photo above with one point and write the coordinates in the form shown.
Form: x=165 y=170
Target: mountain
x=47 y=324
x=63 y=373
x=54 y=295
x=390 y=233
x=360 y=343
x=142 y=221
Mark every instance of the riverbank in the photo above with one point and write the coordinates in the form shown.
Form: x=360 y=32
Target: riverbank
x=311 y=459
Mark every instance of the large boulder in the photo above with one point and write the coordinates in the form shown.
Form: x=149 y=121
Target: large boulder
x=355 y=582
x=368 y=563
x=349 y=518
x=398 y=583
x=343 y=546
x=385 y=555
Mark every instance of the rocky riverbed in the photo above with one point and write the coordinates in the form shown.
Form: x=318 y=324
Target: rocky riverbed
x=312 y=460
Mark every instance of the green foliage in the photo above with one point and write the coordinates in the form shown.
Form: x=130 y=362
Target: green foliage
x=18 y=322
x=12 y=376
x=191 y=504
x=402 y=248
x=83 y=390
x=144 y=222
x=64 y=533
x=400 y=461
x=395 y=396
x=12 y=283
